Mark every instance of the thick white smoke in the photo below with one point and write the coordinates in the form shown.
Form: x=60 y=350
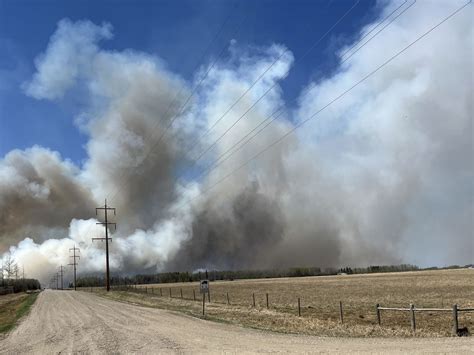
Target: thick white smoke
x=384 y=175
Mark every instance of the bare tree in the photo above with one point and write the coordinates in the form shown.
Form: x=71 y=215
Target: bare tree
x=9 y=266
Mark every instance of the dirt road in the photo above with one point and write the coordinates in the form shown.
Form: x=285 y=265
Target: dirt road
x=78 y=322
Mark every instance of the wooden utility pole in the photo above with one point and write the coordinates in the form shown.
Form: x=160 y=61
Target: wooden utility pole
x=74 y=262
x=61 y=273
x=106 y=225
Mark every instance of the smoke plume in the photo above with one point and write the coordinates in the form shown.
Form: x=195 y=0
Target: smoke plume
x=383 y=175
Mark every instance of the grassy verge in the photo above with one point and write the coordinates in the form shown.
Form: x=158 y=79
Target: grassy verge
x=14 y=307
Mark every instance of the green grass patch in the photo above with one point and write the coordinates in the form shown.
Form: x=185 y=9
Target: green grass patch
x=13 y=310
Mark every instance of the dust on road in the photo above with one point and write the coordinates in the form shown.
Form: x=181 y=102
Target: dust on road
x=78 y=322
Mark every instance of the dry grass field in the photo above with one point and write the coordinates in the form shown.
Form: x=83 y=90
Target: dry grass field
x=320 y=298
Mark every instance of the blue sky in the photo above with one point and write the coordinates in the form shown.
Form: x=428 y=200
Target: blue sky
x=176 y=31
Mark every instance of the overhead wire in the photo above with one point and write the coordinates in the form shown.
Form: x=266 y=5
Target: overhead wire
x=301 y=123
x=280 y=111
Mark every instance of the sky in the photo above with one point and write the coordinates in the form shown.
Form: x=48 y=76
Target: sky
x=177 y=31
x=237 y=135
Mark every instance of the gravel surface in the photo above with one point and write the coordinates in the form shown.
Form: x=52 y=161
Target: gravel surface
x=78 y=322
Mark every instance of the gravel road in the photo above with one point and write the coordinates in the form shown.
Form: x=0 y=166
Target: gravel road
x=78 y=322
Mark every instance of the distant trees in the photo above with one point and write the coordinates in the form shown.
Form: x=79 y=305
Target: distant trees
x=213 y=275
x=10 y=277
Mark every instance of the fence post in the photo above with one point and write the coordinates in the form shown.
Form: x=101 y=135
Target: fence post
x=228 y=302
x=170 y=292
x=181 y=293
x=455 y=319
x=194 y=294
x=267 y=299
x=341 y=316
x=203 y=303
x=299 y=307
x=146 y=289
x=209 y=295
x=377 y=310
x=412 y=312
x=253 y=296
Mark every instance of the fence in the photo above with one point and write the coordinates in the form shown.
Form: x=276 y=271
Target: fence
x=177 y=293
x=412 y=309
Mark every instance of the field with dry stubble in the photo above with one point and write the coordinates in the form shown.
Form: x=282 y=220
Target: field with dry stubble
x=320 y=298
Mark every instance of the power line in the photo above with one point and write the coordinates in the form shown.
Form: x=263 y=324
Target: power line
x=261 y=76
x=373 y=29
x=74 y=261
x=279 y=111
x=182 y=108
x=333 y=100
x=242 y=95
x=371 y=38
x=106 y=226
x=60 y=275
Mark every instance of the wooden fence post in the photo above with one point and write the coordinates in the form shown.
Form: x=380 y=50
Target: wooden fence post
x=455 y=320
x=181 y=293
x=194 y=294
x=377 y=310
x=253 y=296
x=209 y=295
x=341 y=316
x=412 y=312
x=299 y=307
x=267 y=299
x=228 y=302
x=203 y=303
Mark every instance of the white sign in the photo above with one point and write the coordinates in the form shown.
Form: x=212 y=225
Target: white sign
x=204 y=286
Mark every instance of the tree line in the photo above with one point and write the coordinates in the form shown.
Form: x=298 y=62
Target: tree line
x=12 y=280
x=229 y=275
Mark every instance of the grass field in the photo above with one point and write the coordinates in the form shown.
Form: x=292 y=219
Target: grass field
x=320 y=298
x=13 y=307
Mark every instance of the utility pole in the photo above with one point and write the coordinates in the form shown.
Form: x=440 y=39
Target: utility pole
x=106 y=225
x=74 y=262
x=61 y=272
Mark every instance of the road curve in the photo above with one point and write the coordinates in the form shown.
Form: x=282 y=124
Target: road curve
x=78 y=322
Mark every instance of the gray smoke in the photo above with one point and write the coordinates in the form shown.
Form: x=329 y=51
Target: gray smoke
x=381 y=174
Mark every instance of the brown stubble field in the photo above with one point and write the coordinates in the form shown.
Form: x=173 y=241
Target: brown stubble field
x=320 y=298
